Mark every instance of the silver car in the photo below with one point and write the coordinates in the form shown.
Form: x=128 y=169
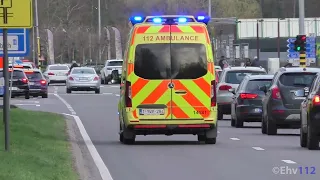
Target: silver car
x=231 y=77
x=83 y=79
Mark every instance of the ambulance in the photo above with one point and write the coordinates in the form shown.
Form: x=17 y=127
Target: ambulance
x=168 y=79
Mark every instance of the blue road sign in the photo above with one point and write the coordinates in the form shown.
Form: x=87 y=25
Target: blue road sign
x=1 y=90
x=18 y=42
x=291 y=40
x=310 y=55
x=293 y=55
x=310 y=40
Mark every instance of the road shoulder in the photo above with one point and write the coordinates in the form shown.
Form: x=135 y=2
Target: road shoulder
x=82 y=158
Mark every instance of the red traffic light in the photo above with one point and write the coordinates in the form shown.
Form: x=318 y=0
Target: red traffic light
x=303 y=38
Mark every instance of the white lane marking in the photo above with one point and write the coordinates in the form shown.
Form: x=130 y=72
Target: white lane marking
x=115 y=86
x=258 y=148
x=28 y=101
x=102 y=86
x=289 y=161
x=67 y=104
x=235 y=139
x=117 y=94
x=107 y=93
x=27 y=105
x=104 y=171
x=55 y=89
x=218 y=132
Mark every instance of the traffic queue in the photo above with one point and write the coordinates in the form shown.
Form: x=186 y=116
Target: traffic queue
x=289 y=99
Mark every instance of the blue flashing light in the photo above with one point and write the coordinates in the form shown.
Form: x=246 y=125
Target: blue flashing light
x=136 y=19
x=182 y=20
x=203 y=19
x=157 y=20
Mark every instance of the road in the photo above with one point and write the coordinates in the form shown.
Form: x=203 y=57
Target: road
x=239 y=153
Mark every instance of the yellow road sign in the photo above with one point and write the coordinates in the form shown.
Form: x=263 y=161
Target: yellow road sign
x=18 y=15
x=5 y=3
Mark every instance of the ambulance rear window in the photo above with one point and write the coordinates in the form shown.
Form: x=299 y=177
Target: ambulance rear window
x=170 y=61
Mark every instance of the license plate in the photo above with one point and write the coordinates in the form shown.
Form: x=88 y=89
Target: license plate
x=151 y=112
x=257 y=110
x=31 y=83
x=83 y=79
x=13 y=88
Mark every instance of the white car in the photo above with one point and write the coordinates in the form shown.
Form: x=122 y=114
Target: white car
x=83 y=79
x=231 y=77
x=56 y=73
x=110 y=66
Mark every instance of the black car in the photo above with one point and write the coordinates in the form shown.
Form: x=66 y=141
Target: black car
x=281 y=105
x=20 y=83
x=310 y=115
x=247 y=100
x=37 y=83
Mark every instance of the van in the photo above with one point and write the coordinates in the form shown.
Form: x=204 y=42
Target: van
x=168 y=79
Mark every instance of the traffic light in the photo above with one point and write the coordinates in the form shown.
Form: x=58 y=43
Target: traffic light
x=300 y=43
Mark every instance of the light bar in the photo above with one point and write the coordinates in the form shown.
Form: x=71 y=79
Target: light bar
x=169 y=19
x=136 y=19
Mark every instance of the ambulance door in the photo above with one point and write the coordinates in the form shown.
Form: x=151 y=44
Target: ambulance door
x=150 y=80
x=191 y=80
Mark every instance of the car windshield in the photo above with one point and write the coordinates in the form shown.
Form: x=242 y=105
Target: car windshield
x=34 y=75
x=115 y=63
x=256 y=84
x=297 y=79
x=236 y=77
x=83 y=71
x=58 y=68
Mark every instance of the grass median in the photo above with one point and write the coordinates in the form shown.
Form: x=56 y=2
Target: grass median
x=39 y=148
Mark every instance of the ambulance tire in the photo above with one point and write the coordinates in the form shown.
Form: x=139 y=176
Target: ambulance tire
x=220 y=115
x=128 y=136
x=211 y=136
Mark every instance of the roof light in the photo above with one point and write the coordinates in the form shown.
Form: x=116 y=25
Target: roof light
x=157 y=20
x=203 y=19
x=182 y=20
x=136 y=19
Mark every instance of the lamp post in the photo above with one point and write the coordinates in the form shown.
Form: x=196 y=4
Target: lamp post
x=99 y=30
x=278 y=43
x=37 y=31
x=258 y=38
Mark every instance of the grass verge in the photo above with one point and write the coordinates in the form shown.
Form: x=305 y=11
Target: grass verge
x=39 y=148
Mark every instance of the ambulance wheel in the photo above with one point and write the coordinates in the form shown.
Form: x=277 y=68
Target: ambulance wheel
x=211 y=141
x=211 y=136
x=220 y=115
x=120 y=134
x=27 y=95
x=128 y=136
x=45 y=95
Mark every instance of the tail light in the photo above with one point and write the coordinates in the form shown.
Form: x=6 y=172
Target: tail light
x=275 y=93
x=43 y=82
x=316 y=100
x=128 y=94
x=68 y=73
x=224 y=88
x=50 y=73
x=213 y=94
x=71 y=78
x=25 y=80
x=96 y=78
x=248 y=96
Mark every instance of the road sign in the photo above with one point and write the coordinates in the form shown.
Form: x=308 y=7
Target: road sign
x=18 y=42
x=291 y=40
x=1 y=86
x=5 y=3
x=292 y=54
x=311 y=50
x=16 y=14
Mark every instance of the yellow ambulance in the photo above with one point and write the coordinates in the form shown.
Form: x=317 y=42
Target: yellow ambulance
x=168 y=79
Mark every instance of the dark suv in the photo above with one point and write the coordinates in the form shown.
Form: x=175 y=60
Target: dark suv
x=281 y=105
x=20 y=83
x=310 y=115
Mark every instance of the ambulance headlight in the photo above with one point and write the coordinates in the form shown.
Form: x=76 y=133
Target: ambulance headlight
x=136 y=19
x=203 y=19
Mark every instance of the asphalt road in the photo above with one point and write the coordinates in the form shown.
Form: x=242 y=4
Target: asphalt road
x=239 y=153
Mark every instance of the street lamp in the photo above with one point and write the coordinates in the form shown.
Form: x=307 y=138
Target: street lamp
x=278 y=44
x=258 y=40
x=99 y=30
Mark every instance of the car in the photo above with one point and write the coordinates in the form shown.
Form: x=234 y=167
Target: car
x=21 y=66
x=113 y=66
x=83 y=79
x=281 y=106
x=56 y=73
x=310 y=115
x=247 y=100
x=231 y=77
x=20 y=83
x=37 y=83
x=168 y=80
